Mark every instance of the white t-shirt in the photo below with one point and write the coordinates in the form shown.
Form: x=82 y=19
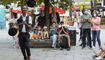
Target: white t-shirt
x=24 y=19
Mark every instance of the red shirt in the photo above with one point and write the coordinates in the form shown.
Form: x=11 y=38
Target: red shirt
x=66 y=30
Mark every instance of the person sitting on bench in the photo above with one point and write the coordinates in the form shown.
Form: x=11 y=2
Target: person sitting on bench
x=53 y=34
x=62 y=31
x=45 y=32
x=100 y=55
x=39 y=34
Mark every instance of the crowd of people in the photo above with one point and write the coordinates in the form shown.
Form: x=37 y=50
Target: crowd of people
x=89 y=24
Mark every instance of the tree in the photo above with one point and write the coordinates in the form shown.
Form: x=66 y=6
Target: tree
x=64 y=4
x=82 y=6
x=67 y=5
x=46 y=2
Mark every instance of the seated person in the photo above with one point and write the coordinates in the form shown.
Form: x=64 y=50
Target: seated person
x=39 y=33
x=53 y=34
x=100 y=55
x=45 y=32
x=63 y=32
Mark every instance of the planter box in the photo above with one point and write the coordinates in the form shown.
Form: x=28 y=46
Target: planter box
x=40 y=43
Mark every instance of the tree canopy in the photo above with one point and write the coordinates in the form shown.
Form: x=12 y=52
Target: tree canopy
x=64 y=4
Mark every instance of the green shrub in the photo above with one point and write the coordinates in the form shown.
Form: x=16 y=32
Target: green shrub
x=102 y=21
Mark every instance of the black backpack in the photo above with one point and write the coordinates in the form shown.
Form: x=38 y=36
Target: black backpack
x=64 y=43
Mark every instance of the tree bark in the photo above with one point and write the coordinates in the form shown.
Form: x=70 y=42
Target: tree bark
x=70 y=12
x=70 y=9
x=95 y=3
x=47 y=12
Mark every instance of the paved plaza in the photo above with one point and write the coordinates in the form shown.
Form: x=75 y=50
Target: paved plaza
x=7 y=52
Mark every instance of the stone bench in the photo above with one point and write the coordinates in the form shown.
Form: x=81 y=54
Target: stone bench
x=47 y=43
x=40 y=43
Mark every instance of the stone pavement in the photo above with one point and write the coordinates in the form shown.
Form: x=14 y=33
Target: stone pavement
x=7 y=52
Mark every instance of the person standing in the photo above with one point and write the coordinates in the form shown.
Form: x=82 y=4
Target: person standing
x=54 y=17
x=33 y=15
x=62 y=31
x=86 y=26
x=24 y=29
x=41 y=19
x=80 y=27
x=96 y=29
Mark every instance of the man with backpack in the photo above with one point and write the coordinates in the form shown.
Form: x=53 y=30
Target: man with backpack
x=63 y=32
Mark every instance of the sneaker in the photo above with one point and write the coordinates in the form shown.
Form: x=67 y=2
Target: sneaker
x=61 y=48
x=29 y=58
x=94 y=56
x=99 y=58
x=25 y=58
x=93 y=47
x=80 y=45
x=52 y=46
x=83 y=47
x=90 y=47
x=68 y=49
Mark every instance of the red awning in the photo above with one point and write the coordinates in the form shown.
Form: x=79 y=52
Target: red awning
x=59 y=10
x=75 y=7
x=18 y=11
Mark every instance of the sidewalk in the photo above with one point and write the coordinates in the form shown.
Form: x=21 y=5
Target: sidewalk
x=7 y=52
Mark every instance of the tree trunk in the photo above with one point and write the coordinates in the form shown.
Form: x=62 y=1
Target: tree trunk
x=70 y=12
x=95 y=3
x=91 y=3
x=47 y=12
x=70 y=9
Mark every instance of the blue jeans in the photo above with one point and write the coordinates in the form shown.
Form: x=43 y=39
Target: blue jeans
x=54 y=39
x=96 y=34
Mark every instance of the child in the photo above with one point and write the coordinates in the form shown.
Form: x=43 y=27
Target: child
x=46 y=35
x=39 y=34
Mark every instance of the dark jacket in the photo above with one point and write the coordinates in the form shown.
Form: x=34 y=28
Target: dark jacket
x=21 y=25
x=41 y=21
